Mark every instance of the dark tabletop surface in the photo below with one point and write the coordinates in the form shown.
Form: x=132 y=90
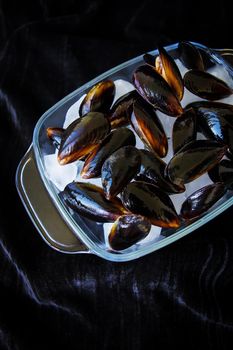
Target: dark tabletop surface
x=180 y=295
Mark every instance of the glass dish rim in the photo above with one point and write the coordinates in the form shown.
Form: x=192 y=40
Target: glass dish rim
x=94 y=248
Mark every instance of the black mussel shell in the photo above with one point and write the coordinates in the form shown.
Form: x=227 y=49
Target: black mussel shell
x=119 y=169
x=225 y=171
x=214 y=173
x=206 y=85
x=81 y=137
x=184 y=130
x=149 y=59
x=147 y=125
x=99 y=98
x=230 y=138
x=148 y=200
x=155 y=90
x=224 y=108
x=121 y=110
x=128 y=230
x=193 y=160
x=89 y=200
x=229 y=155
x=190 y=56
x=115 y=140
x=55 y=135
x=167 y=67
x=152 y=170
x=202 y=200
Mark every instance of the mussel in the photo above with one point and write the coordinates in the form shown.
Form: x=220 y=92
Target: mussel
x=149 y=128
x=89 y=200
x=223 y=172
x=148 y=200
x=55 y=135
x=128 y=230
x=152 y=170
x=149 y=59
x=166 y=66
x=155 y=90
x=206 y=85
x=119 y=169
x=120 y=112
x=193 y=160
x=202 y=200
x=116 y=139
x=190 y=56
x=81 y=137
x=99 y=98
x=184 y=130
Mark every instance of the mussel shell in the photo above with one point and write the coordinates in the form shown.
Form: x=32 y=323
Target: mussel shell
x=128 y=230
x=89 y=201
x=149 y=59
x=155 y=90
x=116 y=139
x=225 y=109
x=81 y=137
x=230 y=138
x=147 y=125
x=148 y=200
x=193 y=160
x=55 y=135
x=119 y=169
x=99 y=98
x=206 y=85
x=229 y=155
x=225 y=171
x=167 y=67
x=121 y=110
x=190 y=56
x=184 y=130
x=202 y=200
x=152 y=170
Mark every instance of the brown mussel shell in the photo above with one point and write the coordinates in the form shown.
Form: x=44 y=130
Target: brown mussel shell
x=166 y=66
x=55 y=135
x=152 y=170
x=121 y=110
x=128 y=230
x=155 y=90
x=193 y=160
x=148 y=200
x=205 y=85
x=147 y=125
x=89 y=200
x=99 y=98
x=190 y=56
x=184 y=130
x=81 y=137
x=119 y=169
x=202 y=200
x=116 y=139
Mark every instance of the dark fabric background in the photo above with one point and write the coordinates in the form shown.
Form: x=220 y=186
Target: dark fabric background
x=178 y=296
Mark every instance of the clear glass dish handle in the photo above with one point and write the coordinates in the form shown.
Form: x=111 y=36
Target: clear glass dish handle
x=41 y=209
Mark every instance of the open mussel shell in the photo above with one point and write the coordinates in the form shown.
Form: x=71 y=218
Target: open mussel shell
x=190 y=56
x=121 y=110
x=128 y=230
x=149 y=59
x=119 y=169
x=206 y=85
x=148 y=200
x=55 y=135
x=99 y=98
x=202 y=200
x=152 y=170
x=81 y=137
x=193 y=160
x=167 y=67
x=215 y=122
x=149 y=128
x=88 y=200
x=116 y=139
x=184 y=130
x=155 y=90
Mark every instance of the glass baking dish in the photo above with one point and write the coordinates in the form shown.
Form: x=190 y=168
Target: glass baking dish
x=66 y=231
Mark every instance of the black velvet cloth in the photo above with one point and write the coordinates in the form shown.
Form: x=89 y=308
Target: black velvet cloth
x=178 y=296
